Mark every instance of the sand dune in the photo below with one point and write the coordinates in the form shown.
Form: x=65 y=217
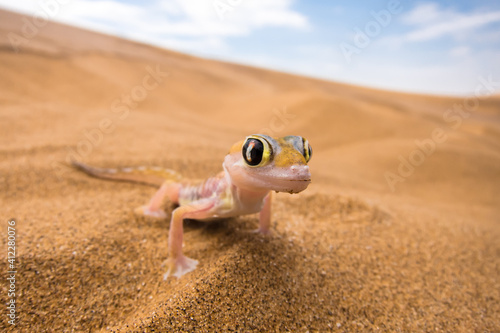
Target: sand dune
x=354 y=252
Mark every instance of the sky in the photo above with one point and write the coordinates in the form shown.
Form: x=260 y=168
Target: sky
x=435 y=47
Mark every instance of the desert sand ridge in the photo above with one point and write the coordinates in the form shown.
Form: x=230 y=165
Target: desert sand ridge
x=351 y=253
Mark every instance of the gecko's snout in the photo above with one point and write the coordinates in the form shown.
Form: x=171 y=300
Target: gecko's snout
x=301 y=172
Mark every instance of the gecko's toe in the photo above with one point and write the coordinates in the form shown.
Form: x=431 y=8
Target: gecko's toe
x=262 y=231
x=144 y=210
x=179 y=266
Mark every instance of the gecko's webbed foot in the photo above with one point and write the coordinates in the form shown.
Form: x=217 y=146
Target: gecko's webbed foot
x=265 y=232
x=144 y=210
x=179 y=266
x=262 y=231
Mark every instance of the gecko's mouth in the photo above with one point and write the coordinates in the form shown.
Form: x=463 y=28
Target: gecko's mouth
x=291 y=185
x=304 y=177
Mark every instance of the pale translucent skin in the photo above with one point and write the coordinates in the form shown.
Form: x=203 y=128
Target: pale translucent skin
x=239 y=189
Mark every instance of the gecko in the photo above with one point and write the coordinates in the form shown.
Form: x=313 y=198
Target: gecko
x=252 y=170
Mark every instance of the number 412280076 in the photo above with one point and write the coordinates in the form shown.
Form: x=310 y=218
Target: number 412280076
x=11 y=244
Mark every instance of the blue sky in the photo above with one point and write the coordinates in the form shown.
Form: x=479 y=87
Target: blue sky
x=437 y=47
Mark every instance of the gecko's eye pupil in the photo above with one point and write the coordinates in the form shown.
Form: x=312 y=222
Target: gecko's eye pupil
x=253 y=150
x=307 y=150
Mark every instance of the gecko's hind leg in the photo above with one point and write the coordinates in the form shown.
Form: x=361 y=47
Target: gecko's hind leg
x=154 y=207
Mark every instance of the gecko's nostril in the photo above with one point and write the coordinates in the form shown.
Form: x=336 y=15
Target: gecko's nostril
x=301 y=171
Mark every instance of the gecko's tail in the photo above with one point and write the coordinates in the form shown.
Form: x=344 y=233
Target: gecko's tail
x=153 y=176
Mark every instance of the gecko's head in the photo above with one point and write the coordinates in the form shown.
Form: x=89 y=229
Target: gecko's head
x=263 y=163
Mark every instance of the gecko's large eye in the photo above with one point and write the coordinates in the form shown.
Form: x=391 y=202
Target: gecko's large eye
x=307 y=150
x=256 y=152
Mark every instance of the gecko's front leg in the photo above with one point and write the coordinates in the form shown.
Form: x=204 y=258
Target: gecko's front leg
x=265 y=216
x=178 y=264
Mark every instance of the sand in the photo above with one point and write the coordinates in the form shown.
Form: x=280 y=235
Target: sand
x=353 y=252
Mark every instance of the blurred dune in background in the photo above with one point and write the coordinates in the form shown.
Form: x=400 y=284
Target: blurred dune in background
x=399 y=229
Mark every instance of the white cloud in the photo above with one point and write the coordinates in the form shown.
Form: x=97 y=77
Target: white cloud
x=181 y=24
x=425 y=13
x=452 y=27
x=433 y=22
x=460 y=51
